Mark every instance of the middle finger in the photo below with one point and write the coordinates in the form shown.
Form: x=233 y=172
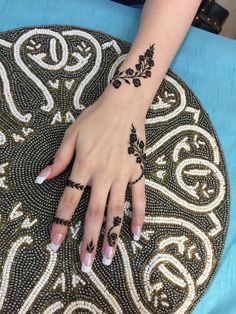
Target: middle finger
x=115 y=214
x=93 y=222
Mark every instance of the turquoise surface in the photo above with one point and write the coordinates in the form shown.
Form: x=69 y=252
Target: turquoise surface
x=207 y=62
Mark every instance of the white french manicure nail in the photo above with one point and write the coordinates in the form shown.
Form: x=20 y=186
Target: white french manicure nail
x=87 y=262
x=42 y=176
x=137 y=233
x=107 y=258
x=56 y=242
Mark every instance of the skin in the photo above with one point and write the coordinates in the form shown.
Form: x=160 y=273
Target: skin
x=94 y=166
x=99 y=138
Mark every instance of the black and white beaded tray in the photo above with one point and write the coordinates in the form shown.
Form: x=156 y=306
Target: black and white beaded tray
x=48 y=76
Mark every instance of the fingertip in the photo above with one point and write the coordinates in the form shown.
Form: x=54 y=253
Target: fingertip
x=87 y=259
x=56 y=241
x=136 y=230
x=57 y=237
x=43 y=175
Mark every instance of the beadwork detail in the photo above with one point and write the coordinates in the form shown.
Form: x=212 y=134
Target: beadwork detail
x=48 y=76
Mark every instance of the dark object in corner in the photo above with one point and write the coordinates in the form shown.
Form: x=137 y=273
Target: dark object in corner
x=210 y=16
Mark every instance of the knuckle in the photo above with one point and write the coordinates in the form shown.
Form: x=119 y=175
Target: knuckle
x=68 y=200
x=117 y=206
x=85 y=165
x=93 y=212
x=102 y=180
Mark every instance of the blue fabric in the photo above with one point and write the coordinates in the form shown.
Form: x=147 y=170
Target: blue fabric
x=137 y=4
x=207 y=62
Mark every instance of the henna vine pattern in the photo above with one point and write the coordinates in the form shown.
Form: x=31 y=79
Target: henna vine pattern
x=61 y=221
x=137 y=148
x=73 y=184
x=143 y=68
x=90 y=247
x=113 y=236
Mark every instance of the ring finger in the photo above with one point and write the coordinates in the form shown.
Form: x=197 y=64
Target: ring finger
x=93 y=222
x=115 y=212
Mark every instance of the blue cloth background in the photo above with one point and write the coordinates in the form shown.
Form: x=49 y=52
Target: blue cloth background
x=137 y=4
x=207 y=62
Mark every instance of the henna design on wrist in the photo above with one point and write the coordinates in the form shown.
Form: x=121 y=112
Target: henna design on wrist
x=137 y=148
x=90 y=247
x=143 y=68
x=113 y=236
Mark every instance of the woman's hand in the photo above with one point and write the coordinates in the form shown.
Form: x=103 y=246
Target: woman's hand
x=108 y=139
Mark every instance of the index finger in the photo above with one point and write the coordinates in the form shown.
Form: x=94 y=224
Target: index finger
x=66 y=207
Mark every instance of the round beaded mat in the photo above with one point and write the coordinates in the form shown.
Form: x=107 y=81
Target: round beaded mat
x=49 y=75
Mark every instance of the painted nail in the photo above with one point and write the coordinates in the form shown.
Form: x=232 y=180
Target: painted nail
x=107 y=258
x=43 y=175
x=87 y=262
x=137 y=233
x=56 y=242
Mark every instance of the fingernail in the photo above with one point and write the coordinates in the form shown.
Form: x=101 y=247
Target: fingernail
x=87 y=262
x=56 y=242
x=107 y=258
x=43 y=175
x=137 y=232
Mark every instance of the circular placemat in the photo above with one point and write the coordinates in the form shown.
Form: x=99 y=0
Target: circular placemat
x=49 y=75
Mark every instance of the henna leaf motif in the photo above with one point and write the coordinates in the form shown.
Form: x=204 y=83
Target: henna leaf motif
x=73 y=184
x=137 y=148
x=143 y=68
x=90 y=247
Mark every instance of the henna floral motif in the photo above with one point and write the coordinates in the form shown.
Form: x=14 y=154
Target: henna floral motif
x=137 y=148
x=90 y=247
x=112 y=239
x=113 y=236
x=143 y=68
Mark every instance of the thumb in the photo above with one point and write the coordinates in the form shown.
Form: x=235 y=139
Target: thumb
x=62 y=158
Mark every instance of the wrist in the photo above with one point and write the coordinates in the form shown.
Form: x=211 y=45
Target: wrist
x=129 y=97
x=136 y=79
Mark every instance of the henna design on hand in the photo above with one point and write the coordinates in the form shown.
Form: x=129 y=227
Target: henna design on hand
x=137 y=148
x=61 y=221
x=90 y=246
x=73 y=184
x=143 y=68
x=113 y=236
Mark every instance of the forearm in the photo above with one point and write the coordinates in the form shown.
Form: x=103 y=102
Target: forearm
x=164 y=24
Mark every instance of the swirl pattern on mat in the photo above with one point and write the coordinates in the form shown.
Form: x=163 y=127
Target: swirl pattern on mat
x=48 y=76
